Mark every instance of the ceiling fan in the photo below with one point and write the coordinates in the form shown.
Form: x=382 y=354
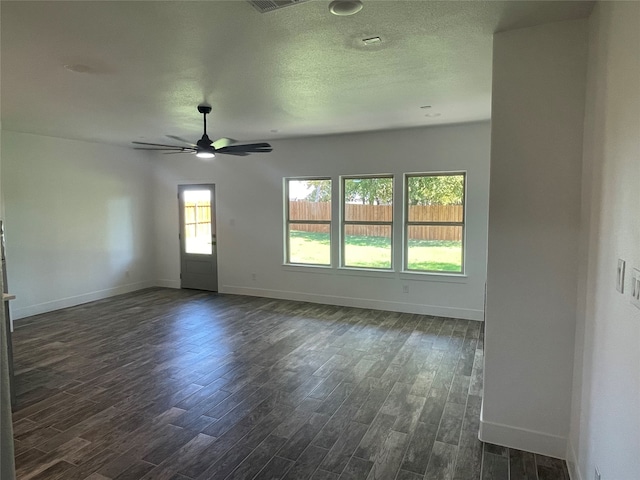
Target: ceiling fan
x=205 y=148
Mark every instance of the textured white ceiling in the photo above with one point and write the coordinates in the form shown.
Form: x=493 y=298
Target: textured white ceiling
x=298 y=70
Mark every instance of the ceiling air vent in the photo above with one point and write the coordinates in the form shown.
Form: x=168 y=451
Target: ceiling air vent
x=264 y=6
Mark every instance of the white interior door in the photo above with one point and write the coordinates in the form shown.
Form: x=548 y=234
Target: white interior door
x=198 y=253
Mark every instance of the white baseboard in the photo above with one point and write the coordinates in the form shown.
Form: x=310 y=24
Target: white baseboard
x=464 y=313
x=167 y=283
x=523 y=439
x=572 y=462
x=467 y=314
x=23 y=312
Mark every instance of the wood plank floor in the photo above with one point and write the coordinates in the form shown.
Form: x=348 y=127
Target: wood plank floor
x=178 y=385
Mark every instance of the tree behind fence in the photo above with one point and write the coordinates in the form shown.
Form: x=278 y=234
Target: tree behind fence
x=303 y=210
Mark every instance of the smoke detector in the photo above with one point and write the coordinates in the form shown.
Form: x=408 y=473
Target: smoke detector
x=343 y=8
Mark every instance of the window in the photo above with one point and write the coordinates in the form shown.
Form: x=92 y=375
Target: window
x=434 y=222
x=367 y=222
x=197 y=221
x=308 y=219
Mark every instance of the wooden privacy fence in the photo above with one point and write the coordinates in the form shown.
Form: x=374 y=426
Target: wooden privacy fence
x=302 y=210
x=197 y=219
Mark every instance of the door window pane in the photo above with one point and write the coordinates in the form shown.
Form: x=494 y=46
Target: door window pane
x=197 y=222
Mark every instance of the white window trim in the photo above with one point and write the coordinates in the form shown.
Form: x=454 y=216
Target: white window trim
x=343 y=223
x=406 y=224
x=398 y=230
x=287 y=221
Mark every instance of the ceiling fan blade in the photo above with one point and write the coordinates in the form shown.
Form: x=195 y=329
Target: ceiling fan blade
x=181 y=140
x=262 y=145
x=223 y=142
x=158 y=145
x=163 y=149
x=182 y=151
x=237 y=154
x=248 y=148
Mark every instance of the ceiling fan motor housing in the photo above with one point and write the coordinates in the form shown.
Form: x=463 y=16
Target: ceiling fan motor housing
x=204 y=145
x=204 y=142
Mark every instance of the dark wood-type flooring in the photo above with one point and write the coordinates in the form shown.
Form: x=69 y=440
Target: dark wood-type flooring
x=177 y=384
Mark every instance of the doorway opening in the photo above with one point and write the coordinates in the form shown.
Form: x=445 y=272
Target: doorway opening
x=198 y=250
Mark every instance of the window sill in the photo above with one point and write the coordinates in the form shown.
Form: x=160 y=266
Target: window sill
x=301 y=267
x=389 y=274
x=366 y=272
x=434 y=277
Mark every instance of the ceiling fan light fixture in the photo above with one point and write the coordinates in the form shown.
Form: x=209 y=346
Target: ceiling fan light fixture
x=205 y=154
x=343 y=8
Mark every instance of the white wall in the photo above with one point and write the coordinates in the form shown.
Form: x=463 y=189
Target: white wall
x=77 y=221
x=536 y=153
x=605 y=426
x=249 y=194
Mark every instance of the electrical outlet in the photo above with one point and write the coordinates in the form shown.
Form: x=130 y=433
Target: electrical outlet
x=620 y=276
x=596 y=474
x=635 y=287
x=405 y=288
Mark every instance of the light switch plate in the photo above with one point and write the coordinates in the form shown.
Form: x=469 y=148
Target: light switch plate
x=620 y=276
x=635 y=287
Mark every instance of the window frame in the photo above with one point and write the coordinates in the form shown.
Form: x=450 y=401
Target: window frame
x=288 y=222
x=196 y=224
x=344 y=222
x=407 y=223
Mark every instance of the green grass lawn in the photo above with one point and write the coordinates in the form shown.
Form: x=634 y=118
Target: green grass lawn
x=375 y=252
